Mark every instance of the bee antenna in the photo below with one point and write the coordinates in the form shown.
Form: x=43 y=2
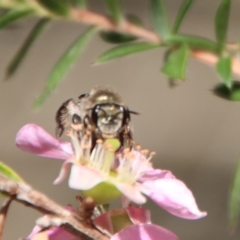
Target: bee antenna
x=133 y=112
x=83 y=95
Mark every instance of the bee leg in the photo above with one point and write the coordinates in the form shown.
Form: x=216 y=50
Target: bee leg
x=125 y=138
x=90 y=128
x=128 y=139
x=68 y=115
x=60 y=118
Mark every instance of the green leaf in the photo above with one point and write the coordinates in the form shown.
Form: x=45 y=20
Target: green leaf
x=3 y=11
x=120 y=220
x=234 y=201
x=233 y=94
x=57 y=7
x=159 y=16
x=81 y=4
x=221 y=23
x=124 y=50
x=132 y=18
x=192 y=41
x=64 y=64
x=116 y=37
x=17 y=60
x=114 y=8
x=181 y=14
x=224 y=69
x=171 y=81
x=9 y=173
x=13 y=15
x=175 y=65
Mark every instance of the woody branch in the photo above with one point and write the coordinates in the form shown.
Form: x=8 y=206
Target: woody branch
x=59 y=216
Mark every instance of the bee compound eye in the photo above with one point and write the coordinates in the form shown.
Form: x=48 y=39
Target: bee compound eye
x=95 y=111
x=76 y=119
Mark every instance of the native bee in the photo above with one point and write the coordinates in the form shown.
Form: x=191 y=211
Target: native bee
x=101 y=112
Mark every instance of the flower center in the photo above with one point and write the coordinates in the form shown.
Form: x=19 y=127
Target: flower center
x=133 y=164
x=125 y=166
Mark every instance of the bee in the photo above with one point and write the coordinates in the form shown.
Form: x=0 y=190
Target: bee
x=101 y=112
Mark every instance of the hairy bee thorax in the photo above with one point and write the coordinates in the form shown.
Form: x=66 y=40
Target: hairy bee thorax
x=101 y=94
x=101 y=114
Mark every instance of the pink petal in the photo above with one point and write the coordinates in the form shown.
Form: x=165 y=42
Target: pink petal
x=104 y=224
x=154 y=174
x=173 y=196
x=138 y=215
x=60 y=234
x=125 y=201
x=144 y=232
x=83 y=177
x=63 y=172
x=34 y=139
x=131 y=192
x=35 y=230
x=55 y=233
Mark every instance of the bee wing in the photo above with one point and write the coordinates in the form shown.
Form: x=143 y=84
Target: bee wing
x=68 y=115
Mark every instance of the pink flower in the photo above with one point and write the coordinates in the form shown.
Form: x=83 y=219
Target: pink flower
x=136 y=232
x=116 y=225
x=144 y=232
x=54 y=233
x=95 y=173
x=121 y=224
